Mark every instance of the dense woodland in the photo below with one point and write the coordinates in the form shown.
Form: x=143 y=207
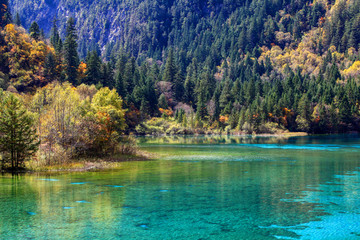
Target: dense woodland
x=195 y=66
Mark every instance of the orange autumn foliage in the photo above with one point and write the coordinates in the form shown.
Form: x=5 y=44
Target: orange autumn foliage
x=25 y=57
x=82 y=70
x=168 y=112
x=223 y=119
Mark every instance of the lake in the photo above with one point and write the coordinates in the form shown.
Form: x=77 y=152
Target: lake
x=199 y=188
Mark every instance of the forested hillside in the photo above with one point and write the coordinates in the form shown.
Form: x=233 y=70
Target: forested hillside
x=250 y=66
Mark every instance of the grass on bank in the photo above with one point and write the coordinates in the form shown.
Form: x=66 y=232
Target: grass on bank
x=59 y=159
x=87 y=163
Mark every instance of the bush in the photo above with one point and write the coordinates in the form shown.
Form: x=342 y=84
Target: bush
x=247 y=128
x=270 y=128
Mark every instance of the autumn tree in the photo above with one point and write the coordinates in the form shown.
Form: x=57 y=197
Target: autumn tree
x=109 y=117
x=5 y=14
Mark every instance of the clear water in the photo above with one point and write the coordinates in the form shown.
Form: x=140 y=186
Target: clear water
x=200 y=188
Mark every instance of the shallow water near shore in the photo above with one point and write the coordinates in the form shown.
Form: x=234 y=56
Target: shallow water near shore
x=199 y=188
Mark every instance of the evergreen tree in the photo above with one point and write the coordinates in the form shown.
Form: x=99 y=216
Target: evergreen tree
x=71 y=58
x=107 y=75
x=42 y=34
x=225 y=97
x=216 y=99
x=129 y=75
x=163 y=102
x=55 y=39
x=355 y=33
x=17 y=19
x=93 y=68
x=120 y=85
x=35 y=31
x=189 y=90
x=189 y=85
x=18 y=140
x=151 y=97
x=344 y=108
x=333 y=118
x=50 y=67
x=179 y=85
x=171 y=70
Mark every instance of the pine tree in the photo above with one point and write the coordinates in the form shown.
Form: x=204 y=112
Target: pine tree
x=71 y=58
x=18 y=140
x=35 y=31
x=303 y=119
x=201 y=111
x=162 y=102
x=50 y=67
x=179 y=85
x=107 y=75
x=55 y=39
x=333 y=118
x=189 y=85
x=216 y=98
x=151 y=97
x=355 y=33
x=170 y=68
x=93 y=65
x=17 y=19
x=225 y=96
x=344 y=108
x=189 y=91
x=129 y=75
x=120 y=85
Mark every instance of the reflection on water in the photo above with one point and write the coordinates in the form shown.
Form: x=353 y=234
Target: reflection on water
x=202 y=188
x=250 y=139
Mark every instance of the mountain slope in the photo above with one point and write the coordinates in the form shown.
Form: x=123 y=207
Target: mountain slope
x=246 y=65
x=147 y=27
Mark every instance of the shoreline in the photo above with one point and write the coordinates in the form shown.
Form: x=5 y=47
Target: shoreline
x=86 y=164
x=237 y=134
x=115 y=162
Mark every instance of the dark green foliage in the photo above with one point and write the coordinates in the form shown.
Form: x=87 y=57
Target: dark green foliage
x=342 y=30
x=35 y=31
x=170 y=68
x=163 y=102
x=107 y=75
x=130 y=76
x=93 y=69
x=17 y=20
x=344 y=108
x=55 y=39
x=153 y=27
x=209 y=57
x=51 y=73
x=18 y=140
x=71 y=58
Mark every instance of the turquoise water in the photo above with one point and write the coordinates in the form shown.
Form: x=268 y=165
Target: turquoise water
x=200 y=188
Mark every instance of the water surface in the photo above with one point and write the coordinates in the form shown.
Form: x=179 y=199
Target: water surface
x=200 y=188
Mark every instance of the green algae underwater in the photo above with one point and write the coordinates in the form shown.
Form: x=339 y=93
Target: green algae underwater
x=199 y=188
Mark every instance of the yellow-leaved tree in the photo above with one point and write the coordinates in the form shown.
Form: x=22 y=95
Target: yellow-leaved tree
x=78 y=121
